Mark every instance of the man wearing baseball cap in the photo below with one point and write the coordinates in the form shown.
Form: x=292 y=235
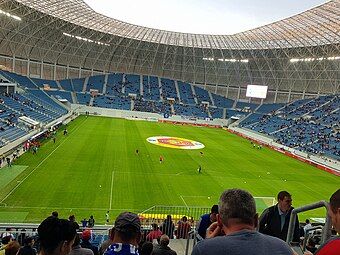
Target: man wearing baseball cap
x=127 y=235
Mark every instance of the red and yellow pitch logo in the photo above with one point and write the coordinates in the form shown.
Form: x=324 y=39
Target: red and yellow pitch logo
x=175 y=142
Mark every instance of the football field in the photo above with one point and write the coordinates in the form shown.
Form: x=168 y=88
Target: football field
x=95 y=168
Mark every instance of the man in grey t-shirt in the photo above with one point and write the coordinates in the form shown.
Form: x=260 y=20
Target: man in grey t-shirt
x=235 y=230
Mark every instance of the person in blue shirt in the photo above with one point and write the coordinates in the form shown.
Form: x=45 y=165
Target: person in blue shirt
x=206 y=220
x=127 y=235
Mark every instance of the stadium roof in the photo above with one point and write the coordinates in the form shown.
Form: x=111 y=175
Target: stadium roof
x=314 y=27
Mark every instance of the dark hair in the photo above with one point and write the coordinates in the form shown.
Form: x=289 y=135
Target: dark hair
x=28 y=240
x=55 y=214
x=237 y=204
x=283 y=194
x=334 y=201
x=129 y=233
x=53 y=231
x=307 y=221
x=146 y=248
x=6 y=239
x=154 y=226
x=214 y=209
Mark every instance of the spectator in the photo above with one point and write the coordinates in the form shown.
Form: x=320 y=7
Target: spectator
x=332 y=246
x=72 y=219
x=12 y=248
x=183 y=228
x=56 y=236
x=85 y=237
x=106 y=243
x=28 y=247
x=155 y=233
x=91 y=222
x=274 y=221
x=162 y=248
x=206 y=220
x=4 y=243
x=78 y=250
x=168 y=227
x=146 y=249
x=307 y=226
x=127 y=234
x=84 y=223
x=235 y=229
x=55 y=214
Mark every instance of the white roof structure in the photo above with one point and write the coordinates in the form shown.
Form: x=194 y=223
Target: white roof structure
x=317 y=26
x=62 y=39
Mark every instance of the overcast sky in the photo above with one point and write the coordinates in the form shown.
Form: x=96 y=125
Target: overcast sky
x=202 y=16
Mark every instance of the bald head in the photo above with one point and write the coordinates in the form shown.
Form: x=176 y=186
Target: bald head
x=164 y=240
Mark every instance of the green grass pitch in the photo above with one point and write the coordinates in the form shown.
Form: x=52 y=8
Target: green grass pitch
x=95 y=168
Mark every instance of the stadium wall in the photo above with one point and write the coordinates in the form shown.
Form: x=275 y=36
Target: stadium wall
x=328 y=165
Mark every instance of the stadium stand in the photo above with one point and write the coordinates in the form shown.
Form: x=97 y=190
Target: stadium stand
x=20 y=79
x=83 y=98
x=168 y=89
x=66 y=84
x=114 y=84
x=185 y=93
x=78 y=84
x=132 y=84
x=59 y=94
x=151 y=88
x=122 y=103
x=222 y=102
x=202 y=95
x=96 y=82
x=41 y=83
x=243 y=105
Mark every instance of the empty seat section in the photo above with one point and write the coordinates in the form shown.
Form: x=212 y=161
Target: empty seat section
x=242 y=105
x=202 y=95
x=78 y=84
x=222 y=101
x=151 y=88
x=269 y=108
x=185 y=93
x=168 y=89
x=96 y=82
x=216 y=113
x=59 y=94
x=114 y=84
x=132 y=84
x=22 y=80
x=83 y=98
x=66 y=85
x=42 y=82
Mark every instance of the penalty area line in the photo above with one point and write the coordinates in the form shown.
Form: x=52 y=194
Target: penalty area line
x=186 y=205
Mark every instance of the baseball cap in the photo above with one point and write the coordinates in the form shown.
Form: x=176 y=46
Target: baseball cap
x=127 y=221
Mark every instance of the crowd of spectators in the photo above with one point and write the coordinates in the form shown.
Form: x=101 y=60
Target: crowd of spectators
x=230 y=228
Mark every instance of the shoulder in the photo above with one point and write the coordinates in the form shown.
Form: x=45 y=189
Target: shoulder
x=330 y=247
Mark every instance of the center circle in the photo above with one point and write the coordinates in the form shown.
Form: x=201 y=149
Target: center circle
x=175 y=142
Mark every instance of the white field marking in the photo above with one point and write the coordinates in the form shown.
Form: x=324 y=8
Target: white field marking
x=19 y=183
x=112 y=177
x=186 y=205
x=3 y=205
x=126 y=172
x=69 y=208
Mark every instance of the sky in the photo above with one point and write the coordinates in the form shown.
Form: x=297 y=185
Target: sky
x=202 y=16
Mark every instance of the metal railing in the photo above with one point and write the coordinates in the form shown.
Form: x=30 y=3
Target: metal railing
x=326 y=231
